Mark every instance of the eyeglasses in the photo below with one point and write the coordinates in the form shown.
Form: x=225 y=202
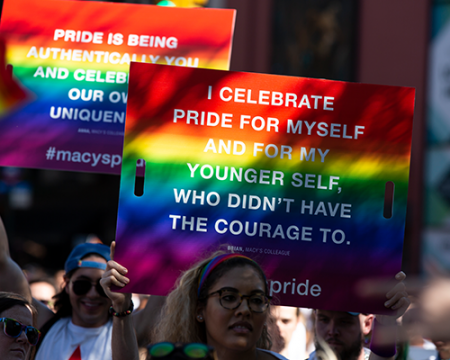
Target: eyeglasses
x=81 y=287
x=13 y=328
x=188 y=351
x=231 y=299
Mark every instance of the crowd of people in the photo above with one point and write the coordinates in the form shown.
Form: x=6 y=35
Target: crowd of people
x=219 y=309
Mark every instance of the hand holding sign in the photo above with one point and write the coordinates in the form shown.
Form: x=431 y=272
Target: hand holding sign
x=398 y=301
x=115 y=275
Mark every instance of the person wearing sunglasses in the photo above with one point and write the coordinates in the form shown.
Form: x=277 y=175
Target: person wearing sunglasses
x=222 y=302
x=19 y=335
x=82 y=325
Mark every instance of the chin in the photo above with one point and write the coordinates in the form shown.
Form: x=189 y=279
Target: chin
x=242 y=344
x=95 y=321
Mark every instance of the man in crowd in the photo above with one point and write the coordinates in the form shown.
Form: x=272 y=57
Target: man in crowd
x=343 y=333
x=288 y=321
x=82 y=327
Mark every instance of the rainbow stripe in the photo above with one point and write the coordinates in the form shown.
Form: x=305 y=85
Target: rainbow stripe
x=210 y=266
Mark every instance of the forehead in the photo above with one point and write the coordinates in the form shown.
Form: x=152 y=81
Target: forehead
x=337 y=315
x=89 y=273
x=42 y=286
x=243 y=278
x=19 y=313
x=42 y=289
x=285 y=312
x=94 y=257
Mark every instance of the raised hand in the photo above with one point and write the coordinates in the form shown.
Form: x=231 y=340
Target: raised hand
x=114 y=275
x=397 y=300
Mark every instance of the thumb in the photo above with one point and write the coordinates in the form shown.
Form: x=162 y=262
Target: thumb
x=400 y=276
x=112 y=249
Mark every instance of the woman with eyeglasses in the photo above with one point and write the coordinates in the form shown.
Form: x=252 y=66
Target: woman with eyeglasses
x=16 y=319
x=226 y=305
x=222 y=302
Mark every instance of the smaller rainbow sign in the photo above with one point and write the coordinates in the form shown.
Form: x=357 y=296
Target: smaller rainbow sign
x=77 y=68
x=291 y=172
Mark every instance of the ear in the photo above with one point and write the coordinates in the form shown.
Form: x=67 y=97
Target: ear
x=366 y=324
x=200 y=314
x=66 y=283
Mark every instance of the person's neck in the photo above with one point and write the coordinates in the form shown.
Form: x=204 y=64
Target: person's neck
x=226 y=354
x=361 y=354
x=76 y=321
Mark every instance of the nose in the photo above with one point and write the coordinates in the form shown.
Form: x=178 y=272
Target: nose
x=22 y=338
x=243 y=308
x=92 y=292
x=332 y=328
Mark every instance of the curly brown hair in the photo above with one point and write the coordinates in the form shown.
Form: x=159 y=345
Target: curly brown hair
x=178 y=322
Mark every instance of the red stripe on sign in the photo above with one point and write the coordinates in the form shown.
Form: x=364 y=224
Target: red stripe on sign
x=76 y=354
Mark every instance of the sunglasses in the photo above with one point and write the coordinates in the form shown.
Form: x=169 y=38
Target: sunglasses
x=13 y=328
x=82 y=287
x=180 y=351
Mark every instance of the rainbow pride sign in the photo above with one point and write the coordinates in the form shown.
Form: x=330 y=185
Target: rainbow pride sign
x=292 y=172
x=75 y=55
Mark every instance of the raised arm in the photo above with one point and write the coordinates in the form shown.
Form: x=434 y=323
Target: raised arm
x=128 y=330
x=384 y=332
x=124 y=343
x=12 y=279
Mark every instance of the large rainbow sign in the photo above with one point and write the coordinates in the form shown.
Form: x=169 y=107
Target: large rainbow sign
x=291 y=172
x=75 y=55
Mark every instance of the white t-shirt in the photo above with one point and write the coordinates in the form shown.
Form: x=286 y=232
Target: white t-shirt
x=66 y=341
x=367 y=352
x=297 y=346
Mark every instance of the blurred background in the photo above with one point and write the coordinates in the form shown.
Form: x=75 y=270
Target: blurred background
x=401 y=42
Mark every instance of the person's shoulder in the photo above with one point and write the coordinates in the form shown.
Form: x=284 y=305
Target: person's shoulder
x=55 y=324
x=44 y=314
x=274 y=354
